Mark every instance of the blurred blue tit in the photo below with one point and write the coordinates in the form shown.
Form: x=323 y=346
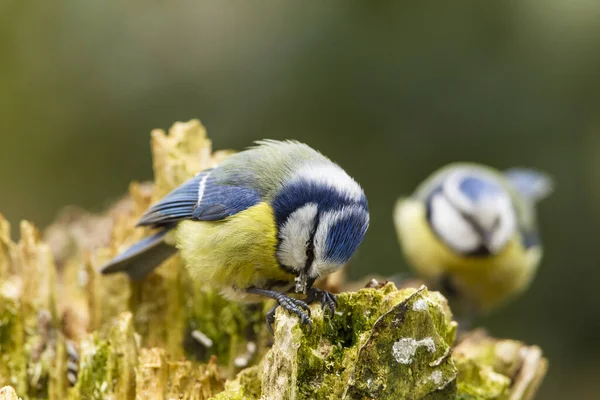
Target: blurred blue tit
x=266 y=221
x=470 y=231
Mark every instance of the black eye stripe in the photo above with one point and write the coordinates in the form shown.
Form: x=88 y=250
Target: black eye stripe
x=468 y=219
x=310 y=246
x=482 y=250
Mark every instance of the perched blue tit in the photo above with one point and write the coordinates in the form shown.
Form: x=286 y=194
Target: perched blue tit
x=470 y=231
x=266 y=221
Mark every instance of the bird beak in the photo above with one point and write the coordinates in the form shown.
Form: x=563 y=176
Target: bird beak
x=301 y=282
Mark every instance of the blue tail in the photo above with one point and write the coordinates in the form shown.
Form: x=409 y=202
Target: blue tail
x=530 y=183
x=141 y=258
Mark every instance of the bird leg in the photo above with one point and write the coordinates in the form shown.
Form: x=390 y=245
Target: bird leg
x=324 y=297
x=294 y=306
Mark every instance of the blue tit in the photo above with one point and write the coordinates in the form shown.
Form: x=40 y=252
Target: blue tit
x=265 y=222
x=470 y=231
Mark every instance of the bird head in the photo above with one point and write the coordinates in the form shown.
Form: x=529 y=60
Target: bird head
x=472 y=213
x=322 y=217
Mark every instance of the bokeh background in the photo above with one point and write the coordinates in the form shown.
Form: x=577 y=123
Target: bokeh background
x=390 y=91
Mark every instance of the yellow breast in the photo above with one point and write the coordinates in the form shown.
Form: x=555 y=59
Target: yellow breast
x=235 y=253
x=484 y=281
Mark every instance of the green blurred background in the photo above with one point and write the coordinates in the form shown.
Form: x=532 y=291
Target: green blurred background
x=390 y=91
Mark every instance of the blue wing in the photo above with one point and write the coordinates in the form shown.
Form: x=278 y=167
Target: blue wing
x=201 y=198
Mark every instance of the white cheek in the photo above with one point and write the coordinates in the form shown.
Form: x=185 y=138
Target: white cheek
x=321 y=268
x=333 y=176
x=451 y=227
x=325 y=222
x=294 y=234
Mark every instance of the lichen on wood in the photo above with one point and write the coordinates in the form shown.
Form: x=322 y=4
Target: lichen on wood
x=382 y=343
x=498 y=368
x=169 y=337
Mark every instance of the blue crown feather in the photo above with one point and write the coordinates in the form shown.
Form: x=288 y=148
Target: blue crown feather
x=295 y=195
x=476 y=188
x=345 y=236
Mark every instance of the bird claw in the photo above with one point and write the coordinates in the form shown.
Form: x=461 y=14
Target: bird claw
x=292 y=305
x=324 y=297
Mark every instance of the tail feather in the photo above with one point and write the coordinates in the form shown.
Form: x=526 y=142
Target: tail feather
x=141 y=258
x=533 y=184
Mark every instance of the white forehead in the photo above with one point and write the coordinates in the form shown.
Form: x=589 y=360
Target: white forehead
x=333 y=176
x=451 y=226
x=453 y=191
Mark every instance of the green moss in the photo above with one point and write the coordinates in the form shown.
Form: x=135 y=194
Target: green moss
x=497 y=368
x=95 y=379
x=228 y=325
x=502 y=355
x=384 y=344
x=12 y=356
x=406 y=355
x=245 y=386
x=107 y=366
x=250 y=380
x=156 y=299
x=125 y=354
x=40 y=354
x=478 y=381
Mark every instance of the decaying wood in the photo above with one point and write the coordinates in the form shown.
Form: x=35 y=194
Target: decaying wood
x=69 y=332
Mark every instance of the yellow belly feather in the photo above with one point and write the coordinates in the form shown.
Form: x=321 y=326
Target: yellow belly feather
x=485 y=282
x=235 y=253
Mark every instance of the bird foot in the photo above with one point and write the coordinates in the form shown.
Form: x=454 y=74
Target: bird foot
x=294 y=306
x=327 y=299
x=290 y=304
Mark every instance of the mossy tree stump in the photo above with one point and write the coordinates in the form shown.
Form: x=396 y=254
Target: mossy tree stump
x=169 y=337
